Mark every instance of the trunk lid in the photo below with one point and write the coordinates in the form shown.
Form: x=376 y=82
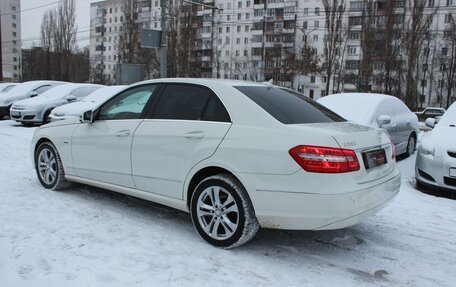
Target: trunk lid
x=362 y=140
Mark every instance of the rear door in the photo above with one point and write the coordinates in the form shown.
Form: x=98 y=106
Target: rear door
x=184 y=127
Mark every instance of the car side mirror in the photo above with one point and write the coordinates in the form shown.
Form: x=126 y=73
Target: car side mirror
x=383 y=120
x=430 y=122
x=86 y=117
x=71 y=98
x=33 y=94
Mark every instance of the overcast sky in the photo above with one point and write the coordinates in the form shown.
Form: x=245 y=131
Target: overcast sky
x=31 y=20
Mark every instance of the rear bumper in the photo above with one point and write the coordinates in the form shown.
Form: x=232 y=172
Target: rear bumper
x=312 y=211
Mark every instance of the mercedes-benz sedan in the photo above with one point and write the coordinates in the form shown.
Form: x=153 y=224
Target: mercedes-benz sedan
x=235 y=155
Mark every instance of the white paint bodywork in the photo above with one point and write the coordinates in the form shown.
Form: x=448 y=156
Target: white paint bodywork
x=437 y=153
x=156 y=160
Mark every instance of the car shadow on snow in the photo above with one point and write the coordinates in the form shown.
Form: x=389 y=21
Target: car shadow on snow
x=294 y=247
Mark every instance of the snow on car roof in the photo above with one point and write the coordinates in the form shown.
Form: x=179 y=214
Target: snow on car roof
x=357 y=107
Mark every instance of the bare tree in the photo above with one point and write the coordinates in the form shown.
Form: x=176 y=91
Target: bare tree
x=334 y=12
x=128 y=45
x=418 y=24
x=64 y=36
x=47 y=26
x=368 y=39
x=303 y=62
x=447 y=62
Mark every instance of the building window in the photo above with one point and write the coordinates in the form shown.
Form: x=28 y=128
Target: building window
x=317 y=11
x=14 y=34
x=448 y=18
x=444 y=51
x=311 y=94
x=13 y=16
x=322 y=93
x=312 y=79
x=316 y=24
x=238 y=41
x=431 y=3
x=227 y=29
x=239 y=16
x=351 y=50
x=239 y=4
x=304 y=25
x=247 y=28
x=239 y=28
x=423 y=83
x=315 y=37
x=306 y=11
x=247 y=4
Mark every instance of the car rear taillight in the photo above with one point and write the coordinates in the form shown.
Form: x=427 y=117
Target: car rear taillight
x=325 y=159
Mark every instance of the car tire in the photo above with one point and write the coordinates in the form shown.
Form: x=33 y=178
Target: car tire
x=411 y=145
x=222 y=212
x=49 y=167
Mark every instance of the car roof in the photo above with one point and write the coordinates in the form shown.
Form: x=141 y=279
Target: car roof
x=202 y=81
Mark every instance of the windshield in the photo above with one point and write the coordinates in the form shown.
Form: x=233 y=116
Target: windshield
x=23 y=88
x=289 y=107
x=449 y=117
x=102 y=94
x=58 y=91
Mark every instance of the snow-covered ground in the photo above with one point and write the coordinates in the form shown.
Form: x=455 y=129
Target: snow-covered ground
x=91 y=237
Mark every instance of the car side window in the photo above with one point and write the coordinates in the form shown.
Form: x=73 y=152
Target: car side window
x=182 y=102
x=128 y=104
x=42 y=89
x=215 y=111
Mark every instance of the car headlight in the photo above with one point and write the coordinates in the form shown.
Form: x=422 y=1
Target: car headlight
x=59 y=114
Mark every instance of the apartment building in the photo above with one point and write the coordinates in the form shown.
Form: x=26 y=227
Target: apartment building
x=11 y=39
x=251 y=39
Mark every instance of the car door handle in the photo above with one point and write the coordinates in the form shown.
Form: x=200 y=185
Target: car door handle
x=123 y=133
x=194 y=135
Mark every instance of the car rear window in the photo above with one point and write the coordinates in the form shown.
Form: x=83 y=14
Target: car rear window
x=289 y=107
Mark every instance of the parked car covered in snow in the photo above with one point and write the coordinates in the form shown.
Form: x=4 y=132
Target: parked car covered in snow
x=436 y=158
x=5 y=87
x=37 y=109
x=92 y=101
x=23 y=91
x=430 y=112
x=235 y=155
x=382 y=111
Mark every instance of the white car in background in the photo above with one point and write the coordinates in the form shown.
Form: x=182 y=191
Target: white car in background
x=379 y=111
x=92 y=101
x=436 y=158
x=235 y=155
x=5 y=87
x=23 y=91
x=37 y=109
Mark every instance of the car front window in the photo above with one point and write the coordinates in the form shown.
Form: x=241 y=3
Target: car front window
x=127 y=105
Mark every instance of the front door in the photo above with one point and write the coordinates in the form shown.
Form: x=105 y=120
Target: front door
x=101 y=150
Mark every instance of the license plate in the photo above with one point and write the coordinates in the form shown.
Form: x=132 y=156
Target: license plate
x=374 y=158
x=453 y=171
x=15 y=114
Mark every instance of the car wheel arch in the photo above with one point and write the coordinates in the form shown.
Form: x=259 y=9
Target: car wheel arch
x=203 y=173
x=37 y=145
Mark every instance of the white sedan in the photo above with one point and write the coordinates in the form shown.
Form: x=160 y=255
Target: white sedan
x=37 y=109
x=92 y=101
x=235 y=155
x=379 y=111
x=436 y=159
